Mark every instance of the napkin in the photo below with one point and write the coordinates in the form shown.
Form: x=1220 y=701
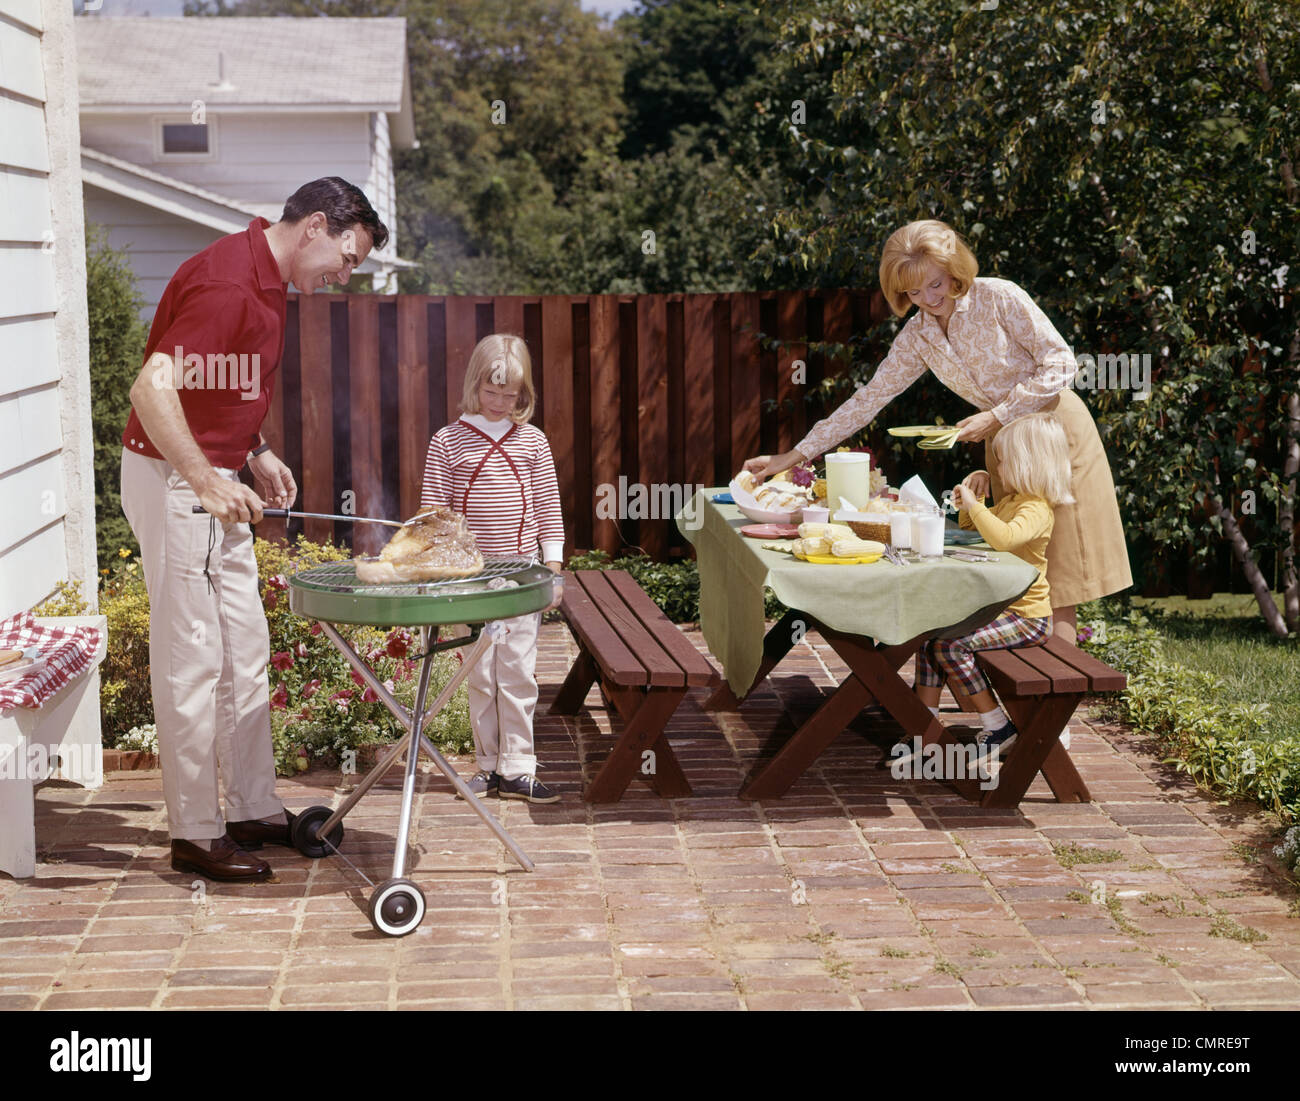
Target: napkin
x=913 y=491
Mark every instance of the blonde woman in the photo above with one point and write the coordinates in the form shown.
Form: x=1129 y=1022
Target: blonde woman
x=1034 y=461
x=987 y=341
x=496 y=469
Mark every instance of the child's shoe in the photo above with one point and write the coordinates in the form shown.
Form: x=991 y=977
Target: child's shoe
x=526 y=787
x=997 y=742
x=483 y=783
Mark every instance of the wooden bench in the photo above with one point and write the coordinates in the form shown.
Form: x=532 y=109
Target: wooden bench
x=645 y=666
x=1040 y=687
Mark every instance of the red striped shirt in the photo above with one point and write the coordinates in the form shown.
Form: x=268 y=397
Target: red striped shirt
x=506 y=489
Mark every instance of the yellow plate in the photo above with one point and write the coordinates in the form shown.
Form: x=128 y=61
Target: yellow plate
x=923 y=430
x=831 y=560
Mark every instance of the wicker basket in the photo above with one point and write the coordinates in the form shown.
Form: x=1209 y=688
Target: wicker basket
x=865 y=530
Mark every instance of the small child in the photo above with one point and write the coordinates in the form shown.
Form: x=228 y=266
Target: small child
x=1034 y=464
x=496 y=469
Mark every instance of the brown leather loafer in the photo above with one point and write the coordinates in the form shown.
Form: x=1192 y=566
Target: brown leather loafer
x=227 y=861
x=257 y=832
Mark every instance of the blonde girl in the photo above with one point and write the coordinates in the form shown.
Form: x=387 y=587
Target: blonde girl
x=1034 y=460
x=496 y=468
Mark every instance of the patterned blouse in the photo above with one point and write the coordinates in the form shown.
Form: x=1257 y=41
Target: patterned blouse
x=1001 y=354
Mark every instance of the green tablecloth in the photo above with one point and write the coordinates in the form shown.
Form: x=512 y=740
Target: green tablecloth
x=941 y=598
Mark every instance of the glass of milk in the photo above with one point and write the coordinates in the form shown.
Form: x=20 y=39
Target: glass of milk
x=900 y=528
x=930 y=529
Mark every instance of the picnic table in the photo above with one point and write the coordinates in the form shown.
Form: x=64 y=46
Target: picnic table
x=874 y=616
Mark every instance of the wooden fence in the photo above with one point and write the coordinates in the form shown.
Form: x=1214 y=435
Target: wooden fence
x=658 y=390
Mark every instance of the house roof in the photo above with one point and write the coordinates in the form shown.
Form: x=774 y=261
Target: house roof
x=288 y=64
x=194 y=204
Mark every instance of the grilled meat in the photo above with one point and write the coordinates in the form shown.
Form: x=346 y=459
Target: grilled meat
x=437 y=546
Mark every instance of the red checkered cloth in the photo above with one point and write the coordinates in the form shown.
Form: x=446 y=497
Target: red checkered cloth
x=68 y=652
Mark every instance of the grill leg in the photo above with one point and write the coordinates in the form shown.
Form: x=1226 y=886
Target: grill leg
x=412 y=759
x=476 y=805
x=407 y=719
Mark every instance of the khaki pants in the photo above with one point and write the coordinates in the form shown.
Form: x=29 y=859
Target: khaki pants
x=502 y=698
x=208 y=651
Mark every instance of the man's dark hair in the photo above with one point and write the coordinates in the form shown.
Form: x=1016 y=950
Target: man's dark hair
x=343 y=205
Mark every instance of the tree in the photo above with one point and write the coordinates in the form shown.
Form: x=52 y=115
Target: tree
x=1131 y=165
x=117 y=339
x=690 y=65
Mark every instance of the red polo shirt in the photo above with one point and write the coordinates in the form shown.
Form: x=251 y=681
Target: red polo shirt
x=222 y=319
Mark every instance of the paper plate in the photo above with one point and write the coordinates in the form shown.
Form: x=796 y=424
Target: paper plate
x=923 y=430
x=770 y=531
x=934 y=437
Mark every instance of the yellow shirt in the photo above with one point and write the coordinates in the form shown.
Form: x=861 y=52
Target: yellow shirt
x=1022 y=525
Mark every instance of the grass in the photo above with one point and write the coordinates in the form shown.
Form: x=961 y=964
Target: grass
x=1070 y=855
x=1226 y=636
x=1245 y=852
x=1121 y=920
x=1225 y=926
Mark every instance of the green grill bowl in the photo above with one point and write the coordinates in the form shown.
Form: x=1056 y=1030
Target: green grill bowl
x=332 y=593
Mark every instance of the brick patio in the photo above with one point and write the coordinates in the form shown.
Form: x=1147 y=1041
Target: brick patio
x=855 y=891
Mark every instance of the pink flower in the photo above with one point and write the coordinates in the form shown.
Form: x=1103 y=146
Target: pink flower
x=357 y=678
x=368 y=696
x=397 y=645
x=801 y=477
x=305 y=713
x=310 y=689
x=279 y=697
x=272 y=599
x=343 y=694
x=282 y=660
x=278 y=582
x=316 y=629
x=302 y=649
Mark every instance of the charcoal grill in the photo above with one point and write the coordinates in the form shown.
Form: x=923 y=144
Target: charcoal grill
x=330 y=594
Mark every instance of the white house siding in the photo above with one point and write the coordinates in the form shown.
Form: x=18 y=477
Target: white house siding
x=47 y=498
x=158 y=242
x=381 y=188
x=260 y=158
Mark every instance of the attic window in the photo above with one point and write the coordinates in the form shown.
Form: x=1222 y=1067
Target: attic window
x=185 y=139
x=179 y=139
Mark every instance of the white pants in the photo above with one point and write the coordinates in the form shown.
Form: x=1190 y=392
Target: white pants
x=502 y=697
x=208 y=651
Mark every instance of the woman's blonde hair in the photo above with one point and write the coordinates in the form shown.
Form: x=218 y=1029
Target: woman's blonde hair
x=911 y=250
x=502 y=360
x=1034 y=458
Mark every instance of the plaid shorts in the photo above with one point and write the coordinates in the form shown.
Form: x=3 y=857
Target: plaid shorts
x=955 y=657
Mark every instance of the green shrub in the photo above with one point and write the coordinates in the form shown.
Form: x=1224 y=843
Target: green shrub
x=125 y=701
x=1224 y=748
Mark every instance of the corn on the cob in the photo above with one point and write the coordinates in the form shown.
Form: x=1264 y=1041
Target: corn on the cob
x=852 y=547
x=828 y=531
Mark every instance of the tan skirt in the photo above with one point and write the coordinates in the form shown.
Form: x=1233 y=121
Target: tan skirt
x=1087 y=557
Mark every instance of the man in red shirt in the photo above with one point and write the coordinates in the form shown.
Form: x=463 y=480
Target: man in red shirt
x=197 y=409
